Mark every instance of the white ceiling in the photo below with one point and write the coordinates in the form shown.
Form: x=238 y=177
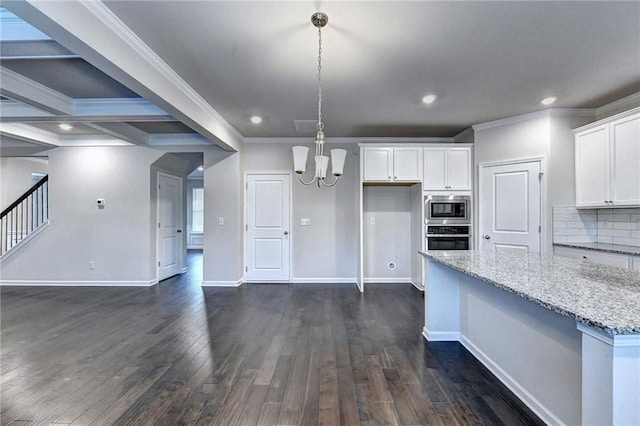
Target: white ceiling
x=484 y=60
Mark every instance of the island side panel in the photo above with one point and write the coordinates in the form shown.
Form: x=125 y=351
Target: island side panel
x=534 y=351
x=610 y=378
x=441 y=303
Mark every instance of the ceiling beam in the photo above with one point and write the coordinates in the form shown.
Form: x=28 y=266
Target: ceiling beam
x=122 y=131
x=15 y=111
x=85 y=118
x=30 y=134
x=30 y=92
x=116 y=106
x=24 y=132
x=34 y=49
x=83 y=110
x=91 y=30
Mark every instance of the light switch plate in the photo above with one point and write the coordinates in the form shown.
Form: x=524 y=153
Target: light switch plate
x=305 y=221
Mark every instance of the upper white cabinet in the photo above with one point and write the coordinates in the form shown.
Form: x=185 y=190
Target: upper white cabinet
x=447 y=169
x=392 y=164
x=608 y=162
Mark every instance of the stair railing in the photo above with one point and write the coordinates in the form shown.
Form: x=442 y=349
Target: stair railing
x=24 y=215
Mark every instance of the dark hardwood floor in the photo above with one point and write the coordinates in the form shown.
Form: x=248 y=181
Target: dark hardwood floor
x=281 y=354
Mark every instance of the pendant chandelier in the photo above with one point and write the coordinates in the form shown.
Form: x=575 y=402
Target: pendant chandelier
x=300 y=153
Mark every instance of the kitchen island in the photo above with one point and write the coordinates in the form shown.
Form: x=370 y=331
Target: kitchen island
x=562 y=334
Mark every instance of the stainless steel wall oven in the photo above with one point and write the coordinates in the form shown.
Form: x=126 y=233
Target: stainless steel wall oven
x=448 y=237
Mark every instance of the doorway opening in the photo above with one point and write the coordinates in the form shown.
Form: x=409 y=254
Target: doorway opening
x=178 y=210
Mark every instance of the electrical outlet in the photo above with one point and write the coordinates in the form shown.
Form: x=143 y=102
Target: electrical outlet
x=221 y=221
x=92 y=264
x=373 y=220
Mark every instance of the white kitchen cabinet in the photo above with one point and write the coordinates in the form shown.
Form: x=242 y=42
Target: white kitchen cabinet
x=392 y=164
x=607 y=155
x=447 y=169
x=602 y=258
x=625 y=161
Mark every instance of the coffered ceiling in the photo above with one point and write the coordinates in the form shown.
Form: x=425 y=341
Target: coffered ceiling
x=194 y=72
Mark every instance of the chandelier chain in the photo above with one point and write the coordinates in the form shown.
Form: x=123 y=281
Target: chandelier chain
x=320 y=125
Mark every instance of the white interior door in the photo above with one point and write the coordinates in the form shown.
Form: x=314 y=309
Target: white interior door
x=169 y=225
x=268 y=242
x=510 y=207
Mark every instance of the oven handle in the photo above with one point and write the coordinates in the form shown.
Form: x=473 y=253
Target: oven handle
x=448 y=235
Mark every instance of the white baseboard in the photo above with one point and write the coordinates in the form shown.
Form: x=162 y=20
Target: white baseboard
x=46 y=283
x=324 y=280
x=221 y=283
x=529 y=400
x=400 y=280
x=440 y=336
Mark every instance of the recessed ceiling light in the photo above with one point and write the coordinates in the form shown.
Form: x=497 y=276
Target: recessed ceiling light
x=200 y=168
x=65 y=126
x=429 y=99
x=256 y=119
x=549 y=100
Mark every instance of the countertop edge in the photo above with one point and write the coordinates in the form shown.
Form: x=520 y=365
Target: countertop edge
x=609 y=248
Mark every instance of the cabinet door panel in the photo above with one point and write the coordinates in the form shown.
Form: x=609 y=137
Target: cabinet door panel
x=602 y=258
x=459 y=168
x=407 y=164
x=626 y=161
x=378 y=164
x=435 y=160
x=592 y=168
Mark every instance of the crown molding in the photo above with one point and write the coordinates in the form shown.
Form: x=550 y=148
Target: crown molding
x=339 y=140
x=628 y=102
x=551 y=112
x=459 y=138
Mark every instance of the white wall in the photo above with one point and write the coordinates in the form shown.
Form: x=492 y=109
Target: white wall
x=387 y=233
x=326 y=250
x=222 y=199
x=15 y=176
x=116 y=238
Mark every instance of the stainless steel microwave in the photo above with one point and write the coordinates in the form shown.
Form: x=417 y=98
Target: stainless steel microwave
x=444 y=209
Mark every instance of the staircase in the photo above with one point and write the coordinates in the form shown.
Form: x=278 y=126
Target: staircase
x=24 y=217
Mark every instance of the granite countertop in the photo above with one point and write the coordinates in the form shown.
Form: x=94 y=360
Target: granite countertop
x=609 y=248
x=603 y=297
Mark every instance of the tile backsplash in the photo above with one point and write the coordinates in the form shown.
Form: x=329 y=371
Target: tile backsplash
x=613 y=226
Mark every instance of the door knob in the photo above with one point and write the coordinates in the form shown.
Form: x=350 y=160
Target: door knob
x=286 y=232
x=487 y=237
